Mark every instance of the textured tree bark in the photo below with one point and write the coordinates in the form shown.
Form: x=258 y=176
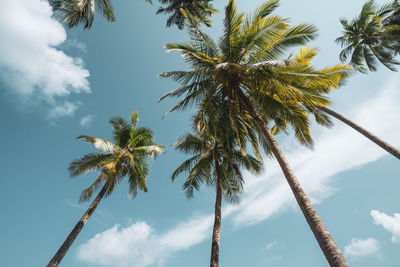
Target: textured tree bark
x=214 y=261
x=386 y=146
x=331 y=251
x=55 y=261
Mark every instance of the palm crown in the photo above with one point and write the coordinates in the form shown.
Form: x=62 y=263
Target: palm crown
x=199 y=9
x=127 y=156
x=75 y=12
x=219 y=151
x=246 y=62
x=371 y=37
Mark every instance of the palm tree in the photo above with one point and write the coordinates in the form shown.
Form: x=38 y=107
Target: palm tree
x=200 y=9
x=373 y=35
x=245 y=69
x=217 y=159
x=127 y=156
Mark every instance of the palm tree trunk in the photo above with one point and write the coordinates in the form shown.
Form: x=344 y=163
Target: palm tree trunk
x=55 y=261
x=331 y=251
x=214 y=262
x=386 y=146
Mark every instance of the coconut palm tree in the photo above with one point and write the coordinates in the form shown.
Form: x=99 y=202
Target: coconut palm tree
x=217 y=159
x=246 y=69
x=200 y=9
x=127 y=156
x=371 y=37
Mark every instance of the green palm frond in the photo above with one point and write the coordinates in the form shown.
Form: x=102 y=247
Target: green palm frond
x=89 y=162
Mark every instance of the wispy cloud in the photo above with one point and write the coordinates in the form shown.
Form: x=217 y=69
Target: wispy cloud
x=390 y=223
x=337 y=150
x=86 y=121
x=62 y=110
x=31 y=63
x=269 y=246
x=361 y=247
x=139 y=245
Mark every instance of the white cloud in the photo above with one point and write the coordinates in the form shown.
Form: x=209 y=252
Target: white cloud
x=62 y=110
x=138 y=245
x=361 y=247
x=337 y=150
x=269 y=246
x=86 y=120
x=390 y=223
x=31 y=64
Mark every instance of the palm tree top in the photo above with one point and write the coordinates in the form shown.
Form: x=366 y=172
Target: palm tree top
x=250 y=57
x=371 y=37
x=218 y=150
x=201 y=10
x=76 y=12
x=126 y=156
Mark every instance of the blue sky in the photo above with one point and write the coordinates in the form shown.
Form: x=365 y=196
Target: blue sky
x=56 y=84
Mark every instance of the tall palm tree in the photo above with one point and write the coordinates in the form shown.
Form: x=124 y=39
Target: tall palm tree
x=245 y=69
x=371 y=37
x=127 y=156
x=200 y=9
x=216 y=160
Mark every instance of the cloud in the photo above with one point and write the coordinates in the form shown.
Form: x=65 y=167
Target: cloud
x=390 y=223
x=86 y=121
x=269 y=246
x=138 y=245
x=31 y=63
x=62 y=110
x=337 y=150
x=361 y=247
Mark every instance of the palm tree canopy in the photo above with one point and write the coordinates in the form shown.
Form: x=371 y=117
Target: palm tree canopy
x=126 y=156
x=215 y=153
x=199 y=9
x=75 y=12
x=371 y=37
x=248 y=60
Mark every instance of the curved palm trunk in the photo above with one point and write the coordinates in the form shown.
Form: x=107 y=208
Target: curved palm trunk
x=327 y=244
x=214 y=261
x=55 y=261
x=386 y=146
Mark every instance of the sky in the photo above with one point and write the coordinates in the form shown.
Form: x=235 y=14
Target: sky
x=57 y=83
